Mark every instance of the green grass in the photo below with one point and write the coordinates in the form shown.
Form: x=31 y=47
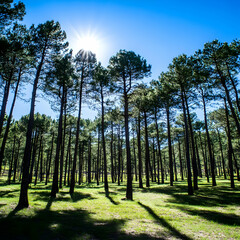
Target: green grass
x=158 y=212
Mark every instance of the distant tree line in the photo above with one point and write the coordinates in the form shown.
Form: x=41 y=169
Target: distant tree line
x=143 y=132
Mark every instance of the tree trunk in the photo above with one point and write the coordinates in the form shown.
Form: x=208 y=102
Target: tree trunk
x=139 y=151
x=67 y=156
x=9 y=121
x=194 y=162
x=23 y=199
x=174 y=162
x=111 y=149
x=72 y=183
x=5 y=95
x=230 y=149
x=104 y=147
x=129 y=192
x=147 y=157
x=37 y=166
x=55 y=188
x=16 y=161
x=119 y=155
x=12 y=159
x=50 y=160
x=180 y=159
x=63 y=144
x=189 y=174
x=134 y=156
x=221 y=150
x=89 y=160
x=198 y=160
x=209 y=144
x=154 y=162
x=169 y=147
x=159 y=148
x=98 y=155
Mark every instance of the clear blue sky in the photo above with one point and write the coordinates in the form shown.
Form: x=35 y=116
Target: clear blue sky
x=157 y=30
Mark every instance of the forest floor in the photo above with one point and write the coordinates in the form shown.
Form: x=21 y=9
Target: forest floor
x=158 y=212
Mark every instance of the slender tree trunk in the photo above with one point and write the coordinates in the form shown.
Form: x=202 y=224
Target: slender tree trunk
x=169 y=147
x=63 y=144
x=34 y=150
x=119 y=155
x=223 y=82
x=230 y=149
x=154 y=162
x=11 y=162
x=189 y=174
x=209 y=144
x=72 y=183
x=111 y=149
x=5 y=95
x=221 y=150
x=194 y=162
x=159 y=148
x=236 y=166
x=37 y=166
x=129 y=192
x=16 y=161
x=104 y=147
x=134 y=156
x=55 y=188
x=67 y=157
x=41 y=165
x=180 y=159
x=147 y=157
x=139 y=151
x=234 y=87
x=9 y=121
x=50 y=160
x=23 y=199
x=89 y=160
x=98 y=155
x=198 y=160
x=174 y=162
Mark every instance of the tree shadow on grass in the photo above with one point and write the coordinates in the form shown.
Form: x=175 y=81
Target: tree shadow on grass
x=165 y=224
x=112 y=201
x=77 y=196
x=65 y=224
x=7 y=193
x=206 y=196
x=218 y=217
x=63 y=196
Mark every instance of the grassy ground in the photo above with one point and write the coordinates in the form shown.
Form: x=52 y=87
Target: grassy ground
x=158 y=212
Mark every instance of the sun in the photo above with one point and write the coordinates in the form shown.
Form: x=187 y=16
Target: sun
x=90 y=39
x=89 y=43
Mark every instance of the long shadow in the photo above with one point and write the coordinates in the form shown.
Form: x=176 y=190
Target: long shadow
x=7 y=193
x=218 y=217
x=112 y=201
x=164 y=223
x=63 y=196
x=77 y=196
x=207 y=196
x=68 y=224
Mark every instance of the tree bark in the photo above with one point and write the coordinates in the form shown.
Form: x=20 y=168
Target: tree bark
x=169 y=147
x=9 y=121
x=147 y=157
x=189 y=174
x=23 y=199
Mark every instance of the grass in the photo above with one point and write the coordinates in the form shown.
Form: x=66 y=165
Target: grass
x=158 y=212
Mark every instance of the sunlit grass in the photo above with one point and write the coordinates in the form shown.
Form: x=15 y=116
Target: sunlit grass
x=158 y=212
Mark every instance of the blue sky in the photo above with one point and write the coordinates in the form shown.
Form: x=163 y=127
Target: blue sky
x=157 y=30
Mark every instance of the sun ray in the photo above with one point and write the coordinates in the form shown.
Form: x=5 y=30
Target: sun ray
x=89 y=41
